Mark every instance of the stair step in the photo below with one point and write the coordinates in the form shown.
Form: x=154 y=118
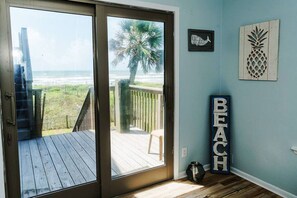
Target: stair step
x=23 y=109
x=22 y=112
x=21 y=95
x=23 y=134
x=19 y=87
x=22 y=92
x=22 y=104
x=18 y=80
x=23 y=123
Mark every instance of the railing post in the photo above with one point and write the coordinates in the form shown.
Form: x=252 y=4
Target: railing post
x=92 y=105
x=122 y=105
x=160 y=111
x=67 y=123
x=38 y=119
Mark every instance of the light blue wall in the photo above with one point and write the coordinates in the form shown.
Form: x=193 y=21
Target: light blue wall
x=199 y=76
x=264 y=124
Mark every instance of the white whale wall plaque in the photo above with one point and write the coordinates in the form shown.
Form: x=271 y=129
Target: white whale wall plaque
x=200 y=40
x=197 y=40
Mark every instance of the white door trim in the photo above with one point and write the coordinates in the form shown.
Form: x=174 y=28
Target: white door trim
x=175 y=10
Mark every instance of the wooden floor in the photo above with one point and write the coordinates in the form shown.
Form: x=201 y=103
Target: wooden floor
x=220 y=186
x=60 y=161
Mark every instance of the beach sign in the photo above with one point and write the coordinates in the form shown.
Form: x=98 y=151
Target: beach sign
x=220 y=134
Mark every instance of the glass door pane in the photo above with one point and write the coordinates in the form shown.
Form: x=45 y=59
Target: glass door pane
x=136 y=78
x=54 y=86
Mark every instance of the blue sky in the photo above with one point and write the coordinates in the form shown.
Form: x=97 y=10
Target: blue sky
x=57 y=41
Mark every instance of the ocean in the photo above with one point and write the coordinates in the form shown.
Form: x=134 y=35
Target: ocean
x=86 y=77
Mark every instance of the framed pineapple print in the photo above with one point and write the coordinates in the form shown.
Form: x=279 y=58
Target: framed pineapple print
x=258 y=51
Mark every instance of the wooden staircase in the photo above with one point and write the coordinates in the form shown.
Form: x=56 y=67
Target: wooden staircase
x=21 y=92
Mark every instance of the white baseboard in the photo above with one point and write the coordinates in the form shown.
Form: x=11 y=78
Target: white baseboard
x=250 y=178
x=183 y=174
x=262 y=183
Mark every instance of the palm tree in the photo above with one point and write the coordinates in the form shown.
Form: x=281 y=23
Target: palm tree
x=140 y=42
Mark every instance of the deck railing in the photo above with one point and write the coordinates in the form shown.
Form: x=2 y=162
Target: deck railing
x=145 y=109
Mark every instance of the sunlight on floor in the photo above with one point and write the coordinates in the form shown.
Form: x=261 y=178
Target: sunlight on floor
x=182 y=187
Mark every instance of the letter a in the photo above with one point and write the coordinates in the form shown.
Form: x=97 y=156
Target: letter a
x=220 y=134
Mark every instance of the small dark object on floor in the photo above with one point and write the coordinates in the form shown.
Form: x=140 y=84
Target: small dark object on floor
x=195 y=172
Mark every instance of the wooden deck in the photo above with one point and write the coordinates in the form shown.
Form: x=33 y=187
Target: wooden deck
x=60 y=161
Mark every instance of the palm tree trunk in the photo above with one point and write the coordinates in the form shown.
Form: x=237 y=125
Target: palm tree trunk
x=133 y=71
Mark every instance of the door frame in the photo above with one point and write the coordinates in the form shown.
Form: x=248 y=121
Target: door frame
x=10 y=137
x=113 y=187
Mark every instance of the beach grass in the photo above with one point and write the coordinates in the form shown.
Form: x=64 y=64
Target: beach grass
x=56 y=132
x=63 y=104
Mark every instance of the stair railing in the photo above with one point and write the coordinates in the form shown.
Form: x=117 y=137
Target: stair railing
x=86 y=116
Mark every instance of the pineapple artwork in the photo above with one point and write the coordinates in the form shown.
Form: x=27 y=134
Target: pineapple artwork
x=257 y=59
x=258 y=51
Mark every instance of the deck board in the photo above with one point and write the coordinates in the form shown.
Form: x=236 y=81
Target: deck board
x=61 y=168
x=69 y=163
x=38 y=169
x=28 y=180
x=82 y=153
x=54 y=162
x=83 y=167
x=49 y=167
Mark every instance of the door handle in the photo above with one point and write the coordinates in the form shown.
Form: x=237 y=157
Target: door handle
x=9 y=139
x=10 y=97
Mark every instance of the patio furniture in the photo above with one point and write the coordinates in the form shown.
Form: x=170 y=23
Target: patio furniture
x=159 y=133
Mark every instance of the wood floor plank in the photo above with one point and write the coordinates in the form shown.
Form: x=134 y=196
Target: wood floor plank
x=28 y=182
x=212 y=186
x=203 y=192
x=80 y=163
x=230 y=189
x=69 y=163
x=38 y=169
x=61 y=168
x=50 y=170
x=241 y=191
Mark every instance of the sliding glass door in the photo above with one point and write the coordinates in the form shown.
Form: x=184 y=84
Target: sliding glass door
x=52 y=99
x=136 y=75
